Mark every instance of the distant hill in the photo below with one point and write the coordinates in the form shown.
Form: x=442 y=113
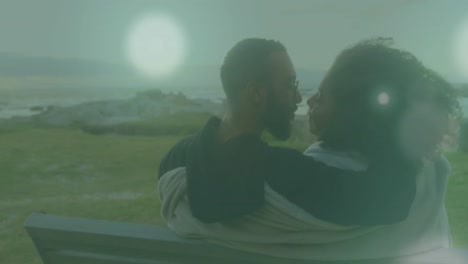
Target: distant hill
x=17 y=65
x=67 y=79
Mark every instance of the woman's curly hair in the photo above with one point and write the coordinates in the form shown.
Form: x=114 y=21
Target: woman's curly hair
x=355 y=80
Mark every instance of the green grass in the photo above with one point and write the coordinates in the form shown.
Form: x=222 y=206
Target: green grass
x=71 y=173
x=456 y=199
x=177 y=124
x=113 y=177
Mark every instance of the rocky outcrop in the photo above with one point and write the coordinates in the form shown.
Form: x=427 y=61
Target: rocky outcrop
x=145 y=105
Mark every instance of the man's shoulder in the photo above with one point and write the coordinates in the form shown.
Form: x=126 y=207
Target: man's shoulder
x=184 y=142
x=251 y=147
x=177 y=155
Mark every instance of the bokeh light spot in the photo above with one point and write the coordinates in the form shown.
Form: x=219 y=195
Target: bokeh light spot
x=460 y=51
x=156 y=45
x=383 y=98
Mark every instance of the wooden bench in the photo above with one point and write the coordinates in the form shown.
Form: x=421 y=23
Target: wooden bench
x=69 y=240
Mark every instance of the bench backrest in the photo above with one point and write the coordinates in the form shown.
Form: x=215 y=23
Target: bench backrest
x=69 y=240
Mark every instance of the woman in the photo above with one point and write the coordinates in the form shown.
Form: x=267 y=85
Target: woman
x=368 y=107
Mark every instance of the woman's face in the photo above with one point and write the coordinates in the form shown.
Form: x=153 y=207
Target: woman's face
x=320 y=109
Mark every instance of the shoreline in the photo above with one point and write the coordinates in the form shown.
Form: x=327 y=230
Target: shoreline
x=24 y=109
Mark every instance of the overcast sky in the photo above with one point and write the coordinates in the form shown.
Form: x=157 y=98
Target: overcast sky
x=313 y=31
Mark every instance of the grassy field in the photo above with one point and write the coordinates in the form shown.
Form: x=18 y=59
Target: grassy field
x=112 y=177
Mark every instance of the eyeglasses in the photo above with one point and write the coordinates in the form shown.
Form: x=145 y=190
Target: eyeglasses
x=293 y=84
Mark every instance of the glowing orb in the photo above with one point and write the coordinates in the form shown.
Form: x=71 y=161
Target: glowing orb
x=383 y=98
x=461 y=49
x=156 y=45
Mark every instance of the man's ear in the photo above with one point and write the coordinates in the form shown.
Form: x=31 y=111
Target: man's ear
x=257 y=93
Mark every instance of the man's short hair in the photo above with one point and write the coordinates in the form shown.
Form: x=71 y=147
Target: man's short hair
x=247 y=61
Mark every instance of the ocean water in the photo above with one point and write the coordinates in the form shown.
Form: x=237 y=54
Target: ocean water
x=21 y=107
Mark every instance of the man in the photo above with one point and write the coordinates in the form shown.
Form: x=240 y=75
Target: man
x=228 y=164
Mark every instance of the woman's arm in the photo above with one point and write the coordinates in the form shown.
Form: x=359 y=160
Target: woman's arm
x=383 y=194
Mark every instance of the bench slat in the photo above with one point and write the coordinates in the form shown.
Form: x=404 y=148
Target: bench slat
x=72 y=257
x=152 y=242
x=74 y=240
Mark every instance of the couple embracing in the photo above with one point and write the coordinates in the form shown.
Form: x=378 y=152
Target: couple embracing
x=373 y=186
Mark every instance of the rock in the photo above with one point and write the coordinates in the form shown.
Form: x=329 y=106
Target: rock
x=145 y=105
x=38 y=108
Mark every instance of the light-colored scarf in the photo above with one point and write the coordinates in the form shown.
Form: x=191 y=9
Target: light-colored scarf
x=282 y=229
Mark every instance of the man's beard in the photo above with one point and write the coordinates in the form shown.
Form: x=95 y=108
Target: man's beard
x=277 y=119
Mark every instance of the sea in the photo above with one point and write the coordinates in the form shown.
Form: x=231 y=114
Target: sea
x=21 y=106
